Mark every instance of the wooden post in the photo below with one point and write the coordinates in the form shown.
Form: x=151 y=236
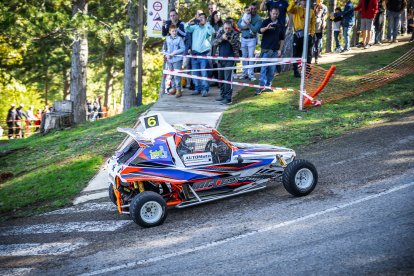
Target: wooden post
x=329 y=32
x=140 y=49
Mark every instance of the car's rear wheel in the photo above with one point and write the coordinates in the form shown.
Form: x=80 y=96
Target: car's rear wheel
x=111 y=194
x=300 y=177
x=148 y=209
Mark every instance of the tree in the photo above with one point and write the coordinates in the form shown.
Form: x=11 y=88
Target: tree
x=131 y=47
x=78 y=72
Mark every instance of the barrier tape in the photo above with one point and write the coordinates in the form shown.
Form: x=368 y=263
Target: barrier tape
x=230 y=68
x=282 y=60
x=177 y=73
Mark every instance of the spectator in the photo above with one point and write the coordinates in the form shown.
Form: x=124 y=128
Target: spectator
x=19 y=121
x=11 y=121
x=323 y=17
x=228 y=43
x=348 y=21
x=174 y=45
x=282 y=5
x=174 y=20
x=249 y=40
x=216 y=23
x=201 y=45
x=411 y=24
x=212 y=7
x=317 y=40
x=368 y=9
x=89 y=110
x=380 y=21
x=273 y=36
x=394 y=10
x=31 y=118
x=298 y=10
x=38 y=117
x=336 y=19
x=246 y=17
x=403 y=22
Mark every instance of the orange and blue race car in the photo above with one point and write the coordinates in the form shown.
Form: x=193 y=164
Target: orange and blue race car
x=164 y=167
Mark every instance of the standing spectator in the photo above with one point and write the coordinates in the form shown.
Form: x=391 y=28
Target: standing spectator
x=394 y=10
x=216 y=23
x=38 y=117
x=212 y=7
x=249 y=40
x=19 y=121
x=403 y=22
x=282 y=5
x=323 y=17
x=11 y=121
x=246 y=17
x=201 y=46
x=272 y=43
x=31 y=118
x=298 y=10
x=174 y=20
x=188 y=41
x=228 y=43
x=368 y=9
x=348 y=21
x=379 y=21
x=411 y=23
x=174 y=45
x=336 y=19
x=317 y=40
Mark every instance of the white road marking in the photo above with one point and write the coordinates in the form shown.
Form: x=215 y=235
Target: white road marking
x=15 y=271
x=248 y=234
x=85 y=208
x=66 y=227
x=35 y=249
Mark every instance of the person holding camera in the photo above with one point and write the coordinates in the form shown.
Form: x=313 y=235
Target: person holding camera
x=228 y=43
x=201 y=46
x=249 y=39
x=298 y=10
x=273 y=36
x=282 y=5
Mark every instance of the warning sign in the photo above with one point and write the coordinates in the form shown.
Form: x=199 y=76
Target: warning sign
x=156 y=13
x=157 y=17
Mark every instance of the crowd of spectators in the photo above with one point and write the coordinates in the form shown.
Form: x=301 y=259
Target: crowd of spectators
x=209 y=34
x=20 y=122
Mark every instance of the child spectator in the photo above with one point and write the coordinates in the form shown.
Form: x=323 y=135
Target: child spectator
x=336 y=19
x=246 y=18
x=174 y=45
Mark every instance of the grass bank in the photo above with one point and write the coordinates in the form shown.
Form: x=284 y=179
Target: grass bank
x=274 y=117
x=46 y=172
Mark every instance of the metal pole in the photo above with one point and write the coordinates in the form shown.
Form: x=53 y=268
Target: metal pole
x=304 y=55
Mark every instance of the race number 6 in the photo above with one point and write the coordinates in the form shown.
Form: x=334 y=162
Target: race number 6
x=151 y=121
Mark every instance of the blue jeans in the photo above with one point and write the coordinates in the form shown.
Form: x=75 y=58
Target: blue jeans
x=267 y=72
x=337 y=43
x=200 y=63
x=347 y=32
x=393 y=24
x=176 y=66
x=248 y=45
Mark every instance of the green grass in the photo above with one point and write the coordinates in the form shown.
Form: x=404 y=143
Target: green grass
x=274 y=118
x=49 y=171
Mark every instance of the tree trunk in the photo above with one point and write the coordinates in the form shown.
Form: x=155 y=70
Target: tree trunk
x=46 y=85
x=130 y=67
x=78 y=67
x=140 y=49
x=108 y=84
x=329 y=32
x=66 y=83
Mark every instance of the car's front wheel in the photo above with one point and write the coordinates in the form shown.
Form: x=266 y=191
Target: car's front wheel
x=300 y=177
x=111 y=194
x=148 y=209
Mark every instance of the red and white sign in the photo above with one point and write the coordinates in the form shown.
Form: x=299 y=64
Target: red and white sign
x=156 y=13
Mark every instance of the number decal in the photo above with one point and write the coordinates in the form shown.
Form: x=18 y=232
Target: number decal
x=151 y=121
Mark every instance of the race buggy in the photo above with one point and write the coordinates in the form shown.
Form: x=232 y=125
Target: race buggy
x=181 y=166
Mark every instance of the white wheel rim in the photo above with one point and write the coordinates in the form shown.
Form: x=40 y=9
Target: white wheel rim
x=304 y=179
x=151 y=212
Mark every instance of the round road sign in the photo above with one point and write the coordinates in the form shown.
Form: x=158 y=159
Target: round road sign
x=157 y=6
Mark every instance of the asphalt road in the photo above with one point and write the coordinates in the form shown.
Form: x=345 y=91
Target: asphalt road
x=358 y=220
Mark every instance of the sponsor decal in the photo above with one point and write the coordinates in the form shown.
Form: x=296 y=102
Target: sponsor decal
x=194 y=159
x=158 y=154
x=215 y=183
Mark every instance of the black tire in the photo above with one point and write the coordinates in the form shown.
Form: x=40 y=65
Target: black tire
x=153 y=201
x=111 y=194
x=308 y=173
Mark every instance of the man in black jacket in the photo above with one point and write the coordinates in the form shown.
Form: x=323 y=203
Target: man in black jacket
x=228 y=42
x=394 y=9
x=11 y=120
x=174 y=21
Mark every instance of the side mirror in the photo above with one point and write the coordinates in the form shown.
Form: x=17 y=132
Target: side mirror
x=239 y=159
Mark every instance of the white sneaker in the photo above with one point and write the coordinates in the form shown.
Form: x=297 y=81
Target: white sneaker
x=252 y=78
